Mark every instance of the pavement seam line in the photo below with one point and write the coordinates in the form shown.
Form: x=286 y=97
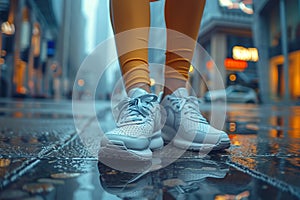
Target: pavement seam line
x=17 y=173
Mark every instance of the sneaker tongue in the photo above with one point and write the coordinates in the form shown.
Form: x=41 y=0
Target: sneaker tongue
x=181 y=92
x=137 y=92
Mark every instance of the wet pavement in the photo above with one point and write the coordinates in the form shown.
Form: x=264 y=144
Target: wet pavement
x=42 y=156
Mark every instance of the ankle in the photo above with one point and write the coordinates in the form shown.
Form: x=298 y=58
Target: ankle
x=143 y=86
x=173 y=84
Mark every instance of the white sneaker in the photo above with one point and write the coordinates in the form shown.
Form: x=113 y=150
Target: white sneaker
x=191 y=129
x=138 y=127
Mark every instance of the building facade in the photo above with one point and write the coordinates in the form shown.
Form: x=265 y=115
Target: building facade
x=277 y=35
x=4 y=44
x=71 y=47
x=28 y=36
x=226 y=35
x=41 y=47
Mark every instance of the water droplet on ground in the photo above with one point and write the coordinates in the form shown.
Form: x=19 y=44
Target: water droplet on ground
x=65 y=175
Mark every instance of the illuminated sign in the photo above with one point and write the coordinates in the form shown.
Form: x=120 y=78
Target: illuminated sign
x=235 y=65
x=246 y=54
x=244 y=5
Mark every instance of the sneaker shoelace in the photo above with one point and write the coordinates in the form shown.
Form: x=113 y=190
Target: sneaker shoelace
x=134 y=111
x=192 y=107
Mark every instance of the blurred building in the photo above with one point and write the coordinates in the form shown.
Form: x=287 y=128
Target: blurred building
x=277 y=35
x=28 y=36
x=71 y=47
x=41 y=44
x=226 y=35
x=104 y=33
x=4 y=10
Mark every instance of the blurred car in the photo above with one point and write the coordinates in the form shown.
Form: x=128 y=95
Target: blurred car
x=233 y=93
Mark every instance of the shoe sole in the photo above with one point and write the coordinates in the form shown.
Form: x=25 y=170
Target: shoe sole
x=182 y=143
x=125 y=160
x=192 y=146
x=117 y=149
x=157 y=141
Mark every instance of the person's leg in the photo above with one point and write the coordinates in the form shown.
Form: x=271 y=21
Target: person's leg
x=185 y=17
x=183 y=117
x=130 y=15
x=138 y=122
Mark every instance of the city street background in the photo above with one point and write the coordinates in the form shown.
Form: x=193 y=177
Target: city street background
x=252 y=45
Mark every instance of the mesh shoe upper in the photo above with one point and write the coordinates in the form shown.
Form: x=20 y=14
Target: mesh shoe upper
x=184 y=118
x=138 y=122
x=137 y=116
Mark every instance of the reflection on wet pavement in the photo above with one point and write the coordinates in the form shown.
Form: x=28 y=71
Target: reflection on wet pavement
x=271 y=147
x=180 y=178
x=186 y=179
x=40 y=158
x=207 y=178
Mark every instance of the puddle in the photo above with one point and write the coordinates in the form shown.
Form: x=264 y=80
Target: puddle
x=207 y=178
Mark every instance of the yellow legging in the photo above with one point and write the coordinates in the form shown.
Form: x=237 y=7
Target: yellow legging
x=183 y=16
